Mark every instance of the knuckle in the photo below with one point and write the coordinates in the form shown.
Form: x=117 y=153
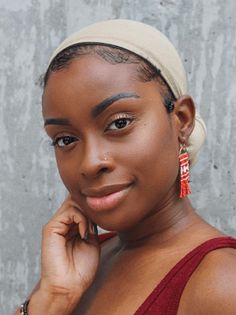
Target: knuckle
x=47 y=227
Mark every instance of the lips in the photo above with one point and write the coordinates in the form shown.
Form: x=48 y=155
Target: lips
x=106 y=198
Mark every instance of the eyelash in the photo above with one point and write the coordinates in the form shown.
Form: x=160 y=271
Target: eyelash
x=55 y=141
x=71 y=139
x=120 y=117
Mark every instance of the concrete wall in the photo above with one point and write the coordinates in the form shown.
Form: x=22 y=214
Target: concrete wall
x=30 y=190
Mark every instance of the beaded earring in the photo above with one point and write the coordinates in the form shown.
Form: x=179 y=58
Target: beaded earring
x=184 y=171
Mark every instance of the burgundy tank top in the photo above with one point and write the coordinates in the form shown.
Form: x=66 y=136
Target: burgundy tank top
x=165 y=298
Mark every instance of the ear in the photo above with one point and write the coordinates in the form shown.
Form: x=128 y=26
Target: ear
x=184 y=115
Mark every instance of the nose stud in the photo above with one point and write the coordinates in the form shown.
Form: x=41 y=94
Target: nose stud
x=106 y=156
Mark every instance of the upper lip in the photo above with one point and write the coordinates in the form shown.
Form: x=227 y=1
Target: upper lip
x=104 y=190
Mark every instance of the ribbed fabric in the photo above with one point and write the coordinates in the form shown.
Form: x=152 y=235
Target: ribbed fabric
x=165 y=298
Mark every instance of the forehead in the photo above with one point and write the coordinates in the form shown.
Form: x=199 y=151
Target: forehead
x=90 y=69
x=90 y=79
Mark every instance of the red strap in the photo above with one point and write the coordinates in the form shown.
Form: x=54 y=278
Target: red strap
x=105 y=236
x=164 y=300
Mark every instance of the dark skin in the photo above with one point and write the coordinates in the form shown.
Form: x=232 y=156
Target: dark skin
x=130 y=148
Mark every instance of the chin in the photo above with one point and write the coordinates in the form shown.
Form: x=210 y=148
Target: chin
x=115 y=221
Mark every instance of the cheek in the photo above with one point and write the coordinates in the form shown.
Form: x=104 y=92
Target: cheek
x=152 y=154
x=67 y=171
x=149 y=154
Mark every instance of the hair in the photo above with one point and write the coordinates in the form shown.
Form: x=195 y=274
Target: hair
x=146 y=72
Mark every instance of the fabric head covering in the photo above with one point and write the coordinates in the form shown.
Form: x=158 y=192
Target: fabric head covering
x=150 y=44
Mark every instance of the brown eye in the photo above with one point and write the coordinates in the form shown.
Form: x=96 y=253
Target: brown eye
x=63 y=141
x=119 y=123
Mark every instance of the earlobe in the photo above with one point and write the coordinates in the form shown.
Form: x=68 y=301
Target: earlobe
x=184 y=111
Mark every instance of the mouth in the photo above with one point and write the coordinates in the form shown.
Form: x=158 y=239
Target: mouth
x=106 y=198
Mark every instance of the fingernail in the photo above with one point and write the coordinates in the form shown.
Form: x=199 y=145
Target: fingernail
x=85 y=237
x=95 y=229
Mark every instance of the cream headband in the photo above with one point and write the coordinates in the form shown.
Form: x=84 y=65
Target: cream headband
x=151 y=45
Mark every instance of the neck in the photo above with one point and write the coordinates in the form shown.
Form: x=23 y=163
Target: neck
x=161 y=225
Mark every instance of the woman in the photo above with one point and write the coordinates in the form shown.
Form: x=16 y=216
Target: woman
x=123 y=127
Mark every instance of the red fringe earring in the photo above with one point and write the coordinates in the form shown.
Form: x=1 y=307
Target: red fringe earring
x=184 y=172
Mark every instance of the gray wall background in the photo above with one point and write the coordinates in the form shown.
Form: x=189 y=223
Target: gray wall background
x=204 y=32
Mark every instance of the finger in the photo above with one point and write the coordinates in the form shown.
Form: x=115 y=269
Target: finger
x=61 y=223
x=93 y=239
x=91 y=233
x=93 y=228
x=73 y=233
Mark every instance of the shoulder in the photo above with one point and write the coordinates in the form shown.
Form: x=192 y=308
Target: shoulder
x=212 y=287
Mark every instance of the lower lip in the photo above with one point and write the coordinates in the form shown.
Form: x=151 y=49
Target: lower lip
x=107 y=202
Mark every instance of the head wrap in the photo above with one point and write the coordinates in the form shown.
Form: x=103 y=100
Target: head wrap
x=152 y=45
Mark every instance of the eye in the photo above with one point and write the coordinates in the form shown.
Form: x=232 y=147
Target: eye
x=63 y=141
x=120 y=123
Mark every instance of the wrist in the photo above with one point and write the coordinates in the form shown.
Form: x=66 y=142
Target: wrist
x=46 y=302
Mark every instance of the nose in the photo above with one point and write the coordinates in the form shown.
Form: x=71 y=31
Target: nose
x=95 y=161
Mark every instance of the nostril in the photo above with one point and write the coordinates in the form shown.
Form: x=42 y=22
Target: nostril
x=92 y=165
x=96 y=173
x=103 y=170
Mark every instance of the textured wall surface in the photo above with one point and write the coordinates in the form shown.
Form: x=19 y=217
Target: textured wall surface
x=204 y=32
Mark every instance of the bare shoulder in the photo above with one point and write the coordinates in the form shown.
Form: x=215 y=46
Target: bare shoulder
x=212 y=287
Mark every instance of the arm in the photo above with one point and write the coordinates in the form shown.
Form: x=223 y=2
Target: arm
x=70 y=258
x=43 y=303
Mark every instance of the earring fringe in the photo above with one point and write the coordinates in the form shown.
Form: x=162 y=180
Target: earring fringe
x=184 y=172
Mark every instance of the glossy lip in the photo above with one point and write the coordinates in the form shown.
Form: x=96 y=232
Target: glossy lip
x=107 y=197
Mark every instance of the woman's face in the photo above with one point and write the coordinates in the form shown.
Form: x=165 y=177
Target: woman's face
x=116 y=146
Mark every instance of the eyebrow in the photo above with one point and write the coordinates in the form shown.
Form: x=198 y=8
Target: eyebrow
x=98 y=109
x=56 y=121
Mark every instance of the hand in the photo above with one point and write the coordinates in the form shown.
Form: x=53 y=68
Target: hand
x=70 y=252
